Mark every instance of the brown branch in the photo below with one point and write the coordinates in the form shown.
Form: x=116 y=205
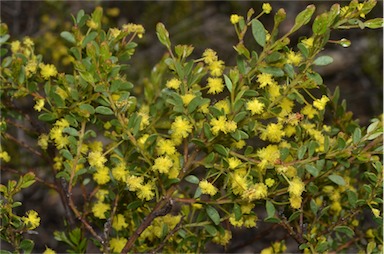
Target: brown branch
x=163 y=206
x=22 y=144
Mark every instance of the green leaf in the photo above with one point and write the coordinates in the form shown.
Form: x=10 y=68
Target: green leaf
x=221 y=149
x=258 y=32
x=314 y=207
x=211 y=230
x=320 y=25
x=104 y=110
x=337 y=179
x=66 y=154
x=284 y=152
x=47 y=117
x=274 y=71
x=303 y=17
x=68 y=36
x=228 y=83
x=344 y=229
x=163 y=35
x=312 y=147
x=321 y=247
x=134 y=205
x=237 y=211
x=270 y=209
x=312 y=170
x=27 y=245
x=374 y=23
x=90 y=37
x=71 y=131
x=294 y=216
x=301 y=152
x=352 y=197
x=4 y=38
x=213 y=214
x=323 y=60
x=88 y=108
x=192 y=179
x=356 y=136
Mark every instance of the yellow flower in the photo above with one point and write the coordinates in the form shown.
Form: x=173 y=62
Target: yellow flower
x=247 y=208
x=274 y=91
x=320 y=103
x=134 y=182
x=309 y=111
x=162 y=164
x=235 y=18
x=268 y=250
x=187 y=98
x=223 y=105
x=99 y=209
x=238 y=144
x=96 y=159
x=265 y=79
x=32 y=220
x=207 y=188
x=5 y=156
x=295 y=201
x=28 y=42
x=47 y=70
x=134 y=28
x=15 y=46
x=209 y=56
x=273 y=132
x=286 y=106
x=269 y=182
x=31 y=67
x=215 y=85
x=296 y=186
x=101 y=176
x=255 y=106
x=294 y=58
x=180 y=128
x=101 y=194
x=49 y=251
x=236 y=223
x=119 y=172
x=268 y=155
x=222 y=239
x=43 y=141
x=119 y=223
x=267 y=8
x=173 y=83
x=117 y=244
x=238 y=183
x=216 y=68
x=165 y=146
x=257 y=191
x=234 y=162
x=308 y=43
x=114 y=32
x=376 y=212
x=250 y=221
x=145 y=192
x=218 y=124
x=39 y=104
x=92 y=24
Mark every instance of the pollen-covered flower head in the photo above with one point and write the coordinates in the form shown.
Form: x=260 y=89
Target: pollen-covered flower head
x=215 y=85
x=255 y=106
x=47 y=70
x=273 y=132
x=207 y=188
x=32 y=219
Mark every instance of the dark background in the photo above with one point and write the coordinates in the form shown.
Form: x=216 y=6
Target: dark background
x=357 y=70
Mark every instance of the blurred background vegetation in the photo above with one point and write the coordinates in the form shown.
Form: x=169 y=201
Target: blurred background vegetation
x=357 y=70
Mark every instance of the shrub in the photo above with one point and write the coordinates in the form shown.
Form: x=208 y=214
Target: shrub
x=205 y=149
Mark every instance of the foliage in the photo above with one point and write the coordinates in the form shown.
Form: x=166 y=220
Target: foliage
x=203 y=148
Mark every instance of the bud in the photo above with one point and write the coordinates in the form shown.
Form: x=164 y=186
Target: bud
x=280 y=16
